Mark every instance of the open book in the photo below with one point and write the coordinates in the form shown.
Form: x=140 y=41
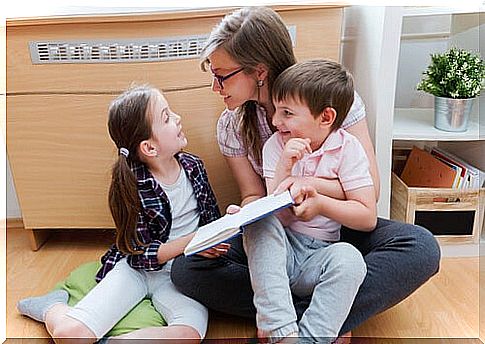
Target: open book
x=231 y=224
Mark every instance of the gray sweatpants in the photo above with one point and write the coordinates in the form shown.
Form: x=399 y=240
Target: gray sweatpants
x=282 y=261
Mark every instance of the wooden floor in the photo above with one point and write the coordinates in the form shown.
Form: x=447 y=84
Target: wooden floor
x=445 y=307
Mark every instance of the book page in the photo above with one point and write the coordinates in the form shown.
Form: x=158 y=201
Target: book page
x=229 y=225
x=215 y=228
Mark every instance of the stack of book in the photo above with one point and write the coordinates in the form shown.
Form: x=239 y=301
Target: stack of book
x=437 y=168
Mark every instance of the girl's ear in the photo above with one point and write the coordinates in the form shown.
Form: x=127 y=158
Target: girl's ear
x=328 y=116
x=147 y=149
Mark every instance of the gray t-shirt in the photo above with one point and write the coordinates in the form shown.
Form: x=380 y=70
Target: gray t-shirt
x=185 y=214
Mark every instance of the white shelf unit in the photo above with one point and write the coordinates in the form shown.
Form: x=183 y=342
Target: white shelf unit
x=417 y=124
x=371 y=44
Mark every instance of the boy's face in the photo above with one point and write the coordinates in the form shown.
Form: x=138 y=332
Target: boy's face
x=293 y=119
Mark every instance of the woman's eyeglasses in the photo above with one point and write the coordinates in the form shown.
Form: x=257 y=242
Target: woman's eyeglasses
x=220 y=79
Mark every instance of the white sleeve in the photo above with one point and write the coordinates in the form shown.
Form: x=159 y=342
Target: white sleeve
x=272 y=150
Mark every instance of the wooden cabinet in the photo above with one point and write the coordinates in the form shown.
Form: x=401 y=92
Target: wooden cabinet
x=57 y=143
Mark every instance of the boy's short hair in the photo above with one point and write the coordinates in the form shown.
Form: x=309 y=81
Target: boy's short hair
x=318 y=84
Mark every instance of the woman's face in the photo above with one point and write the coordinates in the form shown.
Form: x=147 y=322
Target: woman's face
x=238 y=88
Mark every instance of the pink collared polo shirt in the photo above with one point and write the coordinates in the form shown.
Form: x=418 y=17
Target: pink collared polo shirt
x=341 y=157
x=229 y=131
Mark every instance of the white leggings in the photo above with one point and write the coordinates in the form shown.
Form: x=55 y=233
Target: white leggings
x=124 y=287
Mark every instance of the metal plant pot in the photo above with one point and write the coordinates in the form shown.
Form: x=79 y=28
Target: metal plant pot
x=452 y=114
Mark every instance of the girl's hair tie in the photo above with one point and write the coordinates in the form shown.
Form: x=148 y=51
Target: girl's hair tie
x=124 y=151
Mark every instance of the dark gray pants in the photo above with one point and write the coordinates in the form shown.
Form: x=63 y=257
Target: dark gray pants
x=400 y=257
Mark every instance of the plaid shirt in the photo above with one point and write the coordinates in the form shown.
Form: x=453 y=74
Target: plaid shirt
x=155 y=219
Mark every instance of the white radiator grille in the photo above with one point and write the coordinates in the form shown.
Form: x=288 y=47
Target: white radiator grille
x=114 y=51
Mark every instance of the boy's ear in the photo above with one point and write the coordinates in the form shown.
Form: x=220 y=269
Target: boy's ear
x=328 y=116
x=147 y=149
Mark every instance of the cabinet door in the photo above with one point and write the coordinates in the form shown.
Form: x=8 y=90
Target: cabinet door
x=61 y=154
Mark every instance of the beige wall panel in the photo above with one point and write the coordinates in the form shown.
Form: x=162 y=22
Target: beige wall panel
x=318 y=32
x=61 y=154
x=318 y=35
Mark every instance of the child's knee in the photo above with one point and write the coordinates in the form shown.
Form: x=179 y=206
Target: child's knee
x=188 y=332
x=266 y=227
x=71 y=328
x=350 y=261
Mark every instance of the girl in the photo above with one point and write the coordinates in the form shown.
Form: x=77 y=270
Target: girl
x=245 y=53
x=158 y=197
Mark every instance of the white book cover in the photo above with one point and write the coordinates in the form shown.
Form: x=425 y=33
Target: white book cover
x=231 y=224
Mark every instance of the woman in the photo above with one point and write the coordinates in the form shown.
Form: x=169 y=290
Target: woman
x=245 y=53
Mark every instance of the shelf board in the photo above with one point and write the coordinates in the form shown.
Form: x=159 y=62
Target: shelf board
x=417 y=124
x=443 y=9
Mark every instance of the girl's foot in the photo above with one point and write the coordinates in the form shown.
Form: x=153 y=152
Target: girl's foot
x=37 y=307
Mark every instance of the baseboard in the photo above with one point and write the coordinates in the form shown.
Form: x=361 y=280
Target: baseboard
x=15 y=223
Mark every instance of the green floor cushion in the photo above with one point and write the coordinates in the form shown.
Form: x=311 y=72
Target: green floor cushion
x=82 y=280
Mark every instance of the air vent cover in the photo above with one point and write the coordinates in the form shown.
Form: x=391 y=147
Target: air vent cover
x=123 y=50
x=115 y=51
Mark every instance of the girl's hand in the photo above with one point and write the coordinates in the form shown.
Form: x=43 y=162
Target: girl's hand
x=216 y=251
x=294 y=150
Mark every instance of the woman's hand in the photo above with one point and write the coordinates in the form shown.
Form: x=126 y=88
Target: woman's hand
x=232 y=209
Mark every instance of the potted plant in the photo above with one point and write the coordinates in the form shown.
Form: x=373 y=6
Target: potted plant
x=455 y=78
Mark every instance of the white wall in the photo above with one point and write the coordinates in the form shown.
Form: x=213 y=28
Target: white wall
x=370 y=50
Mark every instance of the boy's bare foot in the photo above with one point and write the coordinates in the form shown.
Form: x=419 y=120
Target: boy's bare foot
x=264 y=337
x=344 y=339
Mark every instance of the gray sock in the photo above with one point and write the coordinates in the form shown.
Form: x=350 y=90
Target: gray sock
x=37 y=307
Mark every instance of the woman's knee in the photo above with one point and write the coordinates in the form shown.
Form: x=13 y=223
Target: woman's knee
x=426 y=249
x=72 y=328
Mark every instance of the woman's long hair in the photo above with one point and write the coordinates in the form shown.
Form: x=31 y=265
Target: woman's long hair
x=128 y=125
x=252 y=36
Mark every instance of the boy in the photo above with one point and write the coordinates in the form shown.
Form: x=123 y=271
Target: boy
x=311 y=100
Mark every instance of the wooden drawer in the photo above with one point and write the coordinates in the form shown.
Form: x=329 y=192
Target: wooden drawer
x=61 y=154
x=317 y=35
x=406 y=202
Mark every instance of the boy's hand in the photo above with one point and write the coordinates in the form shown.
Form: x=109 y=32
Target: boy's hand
x=216 y=251
x=290 y=183
x=294 y=150
x=307 y=205
x=297 y=187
